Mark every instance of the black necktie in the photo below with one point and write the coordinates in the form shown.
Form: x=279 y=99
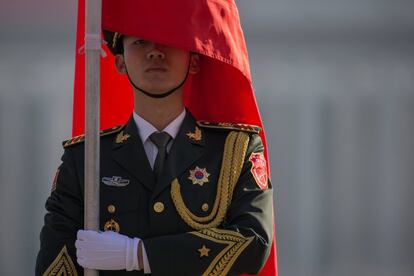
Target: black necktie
x=160 y=140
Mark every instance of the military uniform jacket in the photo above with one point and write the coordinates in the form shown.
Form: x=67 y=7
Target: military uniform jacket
x=211 y=212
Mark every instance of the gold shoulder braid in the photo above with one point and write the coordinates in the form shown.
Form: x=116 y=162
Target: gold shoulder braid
x=235 y=149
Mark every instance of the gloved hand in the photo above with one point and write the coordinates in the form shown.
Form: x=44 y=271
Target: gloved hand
x=106 y=250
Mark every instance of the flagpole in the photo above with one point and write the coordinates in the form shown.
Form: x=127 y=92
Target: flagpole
x=92 y=95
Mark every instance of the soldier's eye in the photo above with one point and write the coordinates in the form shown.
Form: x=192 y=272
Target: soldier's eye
x=140 y=41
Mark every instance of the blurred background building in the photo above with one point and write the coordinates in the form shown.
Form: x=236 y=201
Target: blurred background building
x=335 y=84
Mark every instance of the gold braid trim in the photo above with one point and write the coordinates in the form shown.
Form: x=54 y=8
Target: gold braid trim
x=62 y=265
x=235 y=149
x=236 y=244
x=115 y=39
x=230 y=126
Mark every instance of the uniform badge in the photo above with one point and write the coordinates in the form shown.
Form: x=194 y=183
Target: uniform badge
x=196 y=135
x=115 y=181
x=122 y=137
x=199 y=176
x=259 y=169
x=112 y=225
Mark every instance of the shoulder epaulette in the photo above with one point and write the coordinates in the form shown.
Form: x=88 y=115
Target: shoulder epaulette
x=81 y=138
x=230 y=126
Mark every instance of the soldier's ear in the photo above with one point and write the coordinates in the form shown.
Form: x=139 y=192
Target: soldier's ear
x=120 y=64
x=194 y=63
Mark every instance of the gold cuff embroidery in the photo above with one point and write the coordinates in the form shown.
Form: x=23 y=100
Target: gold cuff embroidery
x=62 y=265
x=236 y=244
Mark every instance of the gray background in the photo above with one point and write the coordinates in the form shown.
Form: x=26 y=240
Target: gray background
x=334 y=81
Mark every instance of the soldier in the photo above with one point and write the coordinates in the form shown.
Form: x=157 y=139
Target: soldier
x=178 y=196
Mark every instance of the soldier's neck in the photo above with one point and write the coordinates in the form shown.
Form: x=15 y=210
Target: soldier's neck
x=158 y=112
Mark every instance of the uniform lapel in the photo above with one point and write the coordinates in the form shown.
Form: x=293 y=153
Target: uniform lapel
x=185 y=150
x=130 y=154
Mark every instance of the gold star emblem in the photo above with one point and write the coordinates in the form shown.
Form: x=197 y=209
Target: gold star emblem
x=199 y=176
x=121 y=137
x=196 y=135
x=203 y=251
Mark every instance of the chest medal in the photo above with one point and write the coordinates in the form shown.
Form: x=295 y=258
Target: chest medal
x=199 y=176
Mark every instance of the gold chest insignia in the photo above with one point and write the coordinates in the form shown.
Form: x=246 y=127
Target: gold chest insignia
x=199 y=176
x=112 y=225
x=196 y=135
x=122 y=137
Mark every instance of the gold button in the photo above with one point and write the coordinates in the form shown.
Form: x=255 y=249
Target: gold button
x=204 y=207
x=111 y=209
x=158 y=207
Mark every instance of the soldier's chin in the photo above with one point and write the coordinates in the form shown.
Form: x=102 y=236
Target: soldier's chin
x=156 y=90
x=158 y=87
x=159 y=90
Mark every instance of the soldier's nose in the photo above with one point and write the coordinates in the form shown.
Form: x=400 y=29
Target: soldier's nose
x=155 y=53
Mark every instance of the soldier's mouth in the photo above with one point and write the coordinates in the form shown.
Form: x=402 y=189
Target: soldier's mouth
x=156 y=69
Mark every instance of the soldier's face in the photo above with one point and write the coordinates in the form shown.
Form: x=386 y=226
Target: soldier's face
x=154 y=67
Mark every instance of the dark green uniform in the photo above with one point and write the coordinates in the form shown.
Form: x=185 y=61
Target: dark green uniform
x=207 y=215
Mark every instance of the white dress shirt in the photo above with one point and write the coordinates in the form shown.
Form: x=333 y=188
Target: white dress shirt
x=145 y=129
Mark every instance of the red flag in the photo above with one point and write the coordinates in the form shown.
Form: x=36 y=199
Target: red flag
x=210 y=28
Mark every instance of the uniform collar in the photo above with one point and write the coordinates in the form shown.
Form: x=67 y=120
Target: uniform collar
x=145 y=129
x=188 y=147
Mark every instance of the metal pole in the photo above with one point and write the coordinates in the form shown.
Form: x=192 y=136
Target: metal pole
x=92 y=52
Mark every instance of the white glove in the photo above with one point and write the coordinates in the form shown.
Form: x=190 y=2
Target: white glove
x=106 y=250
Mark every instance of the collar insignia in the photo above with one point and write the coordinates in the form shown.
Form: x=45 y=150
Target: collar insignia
x=196 y=135
x=115 y=181
x=121 y=137
x=199 y=176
